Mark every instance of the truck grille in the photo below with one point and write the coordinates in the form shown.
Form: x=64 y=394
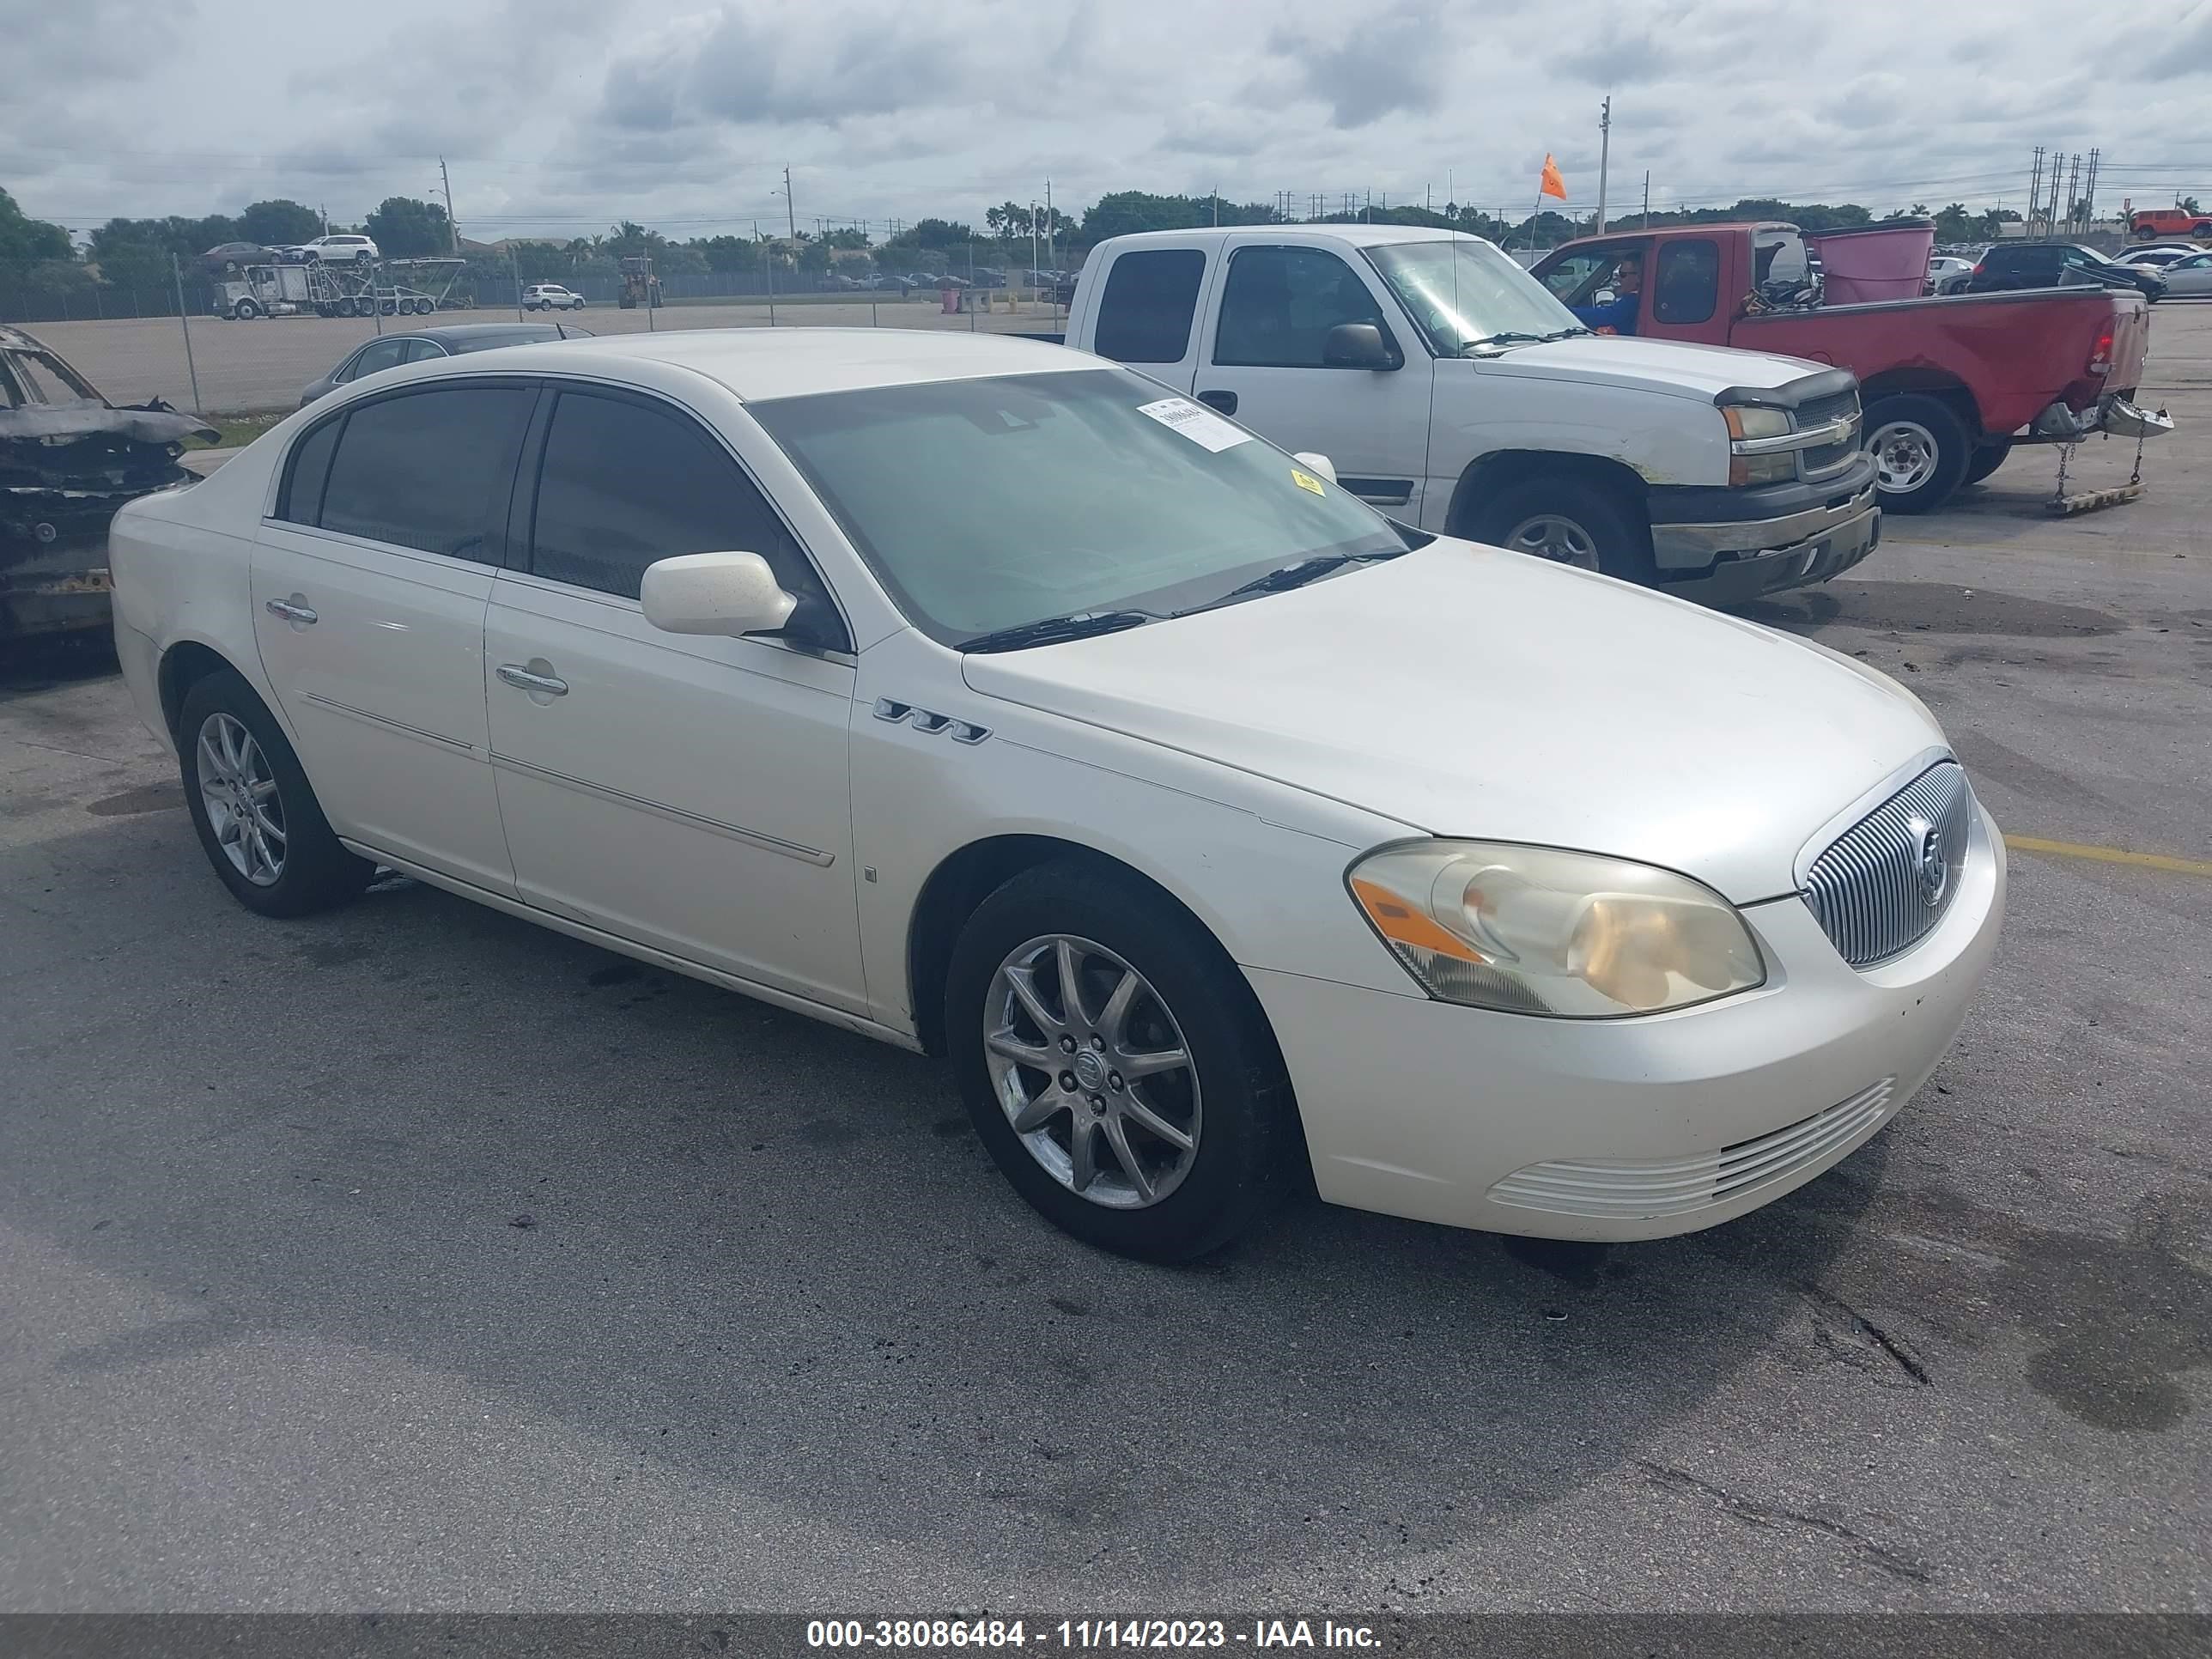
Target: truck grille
x=1886 y=881
x=1828 y=457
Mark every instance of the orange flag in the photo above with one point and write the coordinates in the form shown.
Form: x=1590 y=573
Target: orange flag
x=1552 y=184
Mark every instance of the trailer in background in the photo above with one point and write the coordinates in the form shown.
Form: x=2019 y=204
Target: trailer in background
x=391 y=288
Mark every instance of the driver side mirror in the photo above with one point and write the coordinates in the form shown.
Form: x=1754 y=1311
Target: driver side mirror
x=1357 y=345
x=726 y=594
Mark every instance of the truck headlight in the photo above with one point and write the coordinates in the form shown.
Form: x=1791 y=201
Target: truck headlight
x=1537 y=930
x=1748 y=425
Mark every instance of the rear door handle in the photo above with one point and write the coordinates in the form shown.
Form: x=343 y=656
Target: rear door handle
x=294 y=610
x=516 y=675
x=1224 y=401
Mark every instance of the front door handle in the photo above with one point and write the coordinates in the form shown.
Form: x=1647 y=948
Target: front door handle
x=523 y=680
x=294 y=610
x=1224 y=401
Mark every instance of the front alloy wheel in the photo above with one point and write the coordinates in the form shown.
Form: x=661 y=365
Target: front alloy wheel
x=244 y=808
x=1904 y=455
x=1093 y=1071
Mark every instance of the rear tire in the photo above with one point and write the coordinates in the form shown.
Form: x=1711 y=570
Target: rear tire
x=1125 y=1188
x=256 y=816
x=1571 y=521
x=1921 y=450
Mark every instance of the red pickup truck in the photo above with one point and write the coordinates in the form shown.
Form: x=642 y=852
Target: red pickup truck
x=1948 y=385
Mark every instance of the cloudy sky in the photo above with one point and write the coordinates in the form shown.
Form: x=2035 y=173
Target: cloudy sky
x=559 y=116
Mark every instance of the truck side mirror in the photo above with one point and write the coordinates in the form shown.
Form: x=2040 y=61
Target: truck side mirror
x=1357 y=345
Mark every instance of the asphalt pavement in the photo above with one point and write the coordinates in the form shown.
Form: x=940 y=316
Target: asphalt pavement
x=413 y=1257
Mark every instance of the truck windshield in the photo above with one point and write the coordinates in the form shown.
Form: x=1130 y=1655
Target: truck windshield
x=987 y=504
x=1464 y=294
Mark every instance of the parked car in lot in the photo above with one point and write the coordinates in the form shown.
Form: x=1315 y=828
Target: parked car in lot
x=425 y=344
x=2189 y=277
x=680 y=644
x=551 y=296
x=1950 y=385
x=2148 y=224
x=2158 y=255
x=1452 y=392
x=2009 y=265
x=1945 y=271
x=67 y=458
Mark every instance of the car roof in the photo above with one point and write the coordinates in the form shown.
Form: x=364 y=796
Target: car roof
x=458 y=333
x=1356 y=235
x=757 y=364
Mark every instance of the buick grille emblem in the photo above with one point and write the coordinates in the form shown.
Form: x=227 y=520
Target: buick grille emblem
x=1934 y=871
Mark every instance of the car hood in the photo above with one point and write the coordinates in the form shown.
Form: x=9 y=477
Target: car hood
x=1670 y=366
x=1466 y=691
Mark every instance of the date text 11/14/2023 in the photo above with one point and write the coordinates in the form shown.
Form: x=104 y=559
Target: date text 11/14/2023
x=1087 y=1634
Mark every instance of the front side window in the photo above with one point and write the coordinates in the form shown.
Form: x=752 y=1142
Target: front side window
x=624 y=483
x=1279 y=305
x=1151 y=298
x=1466 y=295
x=421 y=351
x=1078 y=491
x=1688 y=287
x=429 y=469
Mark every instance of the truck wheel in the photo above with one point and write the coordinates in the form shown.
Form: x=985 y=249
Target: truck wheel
x=1921 y=450
x=1569 y=521
x=1987 y=460
x=246 y=311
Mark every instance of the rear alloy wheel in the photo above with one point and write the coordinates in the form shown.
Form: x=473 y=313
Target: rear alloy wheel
x=246 y=311
x=1920 y=449
x=1115 y=1064
x=258 y=819
x=1569 y=521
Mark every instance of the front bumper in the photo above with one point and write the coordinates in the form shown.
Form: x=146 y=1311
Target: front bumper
x=1633 y=1128
x=1806 y=548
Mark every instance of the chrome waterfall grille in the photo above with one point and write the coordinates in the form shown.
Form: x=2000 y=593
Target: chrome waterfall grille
x=1884 y=882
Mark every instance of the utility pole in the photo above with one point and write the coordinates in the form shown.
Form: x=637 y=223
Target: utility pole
x=2089 y=193
x=791 y=212
x=2034 y=189
x=1604 y=156
x=453 y=230
x=1647 y=198
x=2072 y=189
x=1049 y=226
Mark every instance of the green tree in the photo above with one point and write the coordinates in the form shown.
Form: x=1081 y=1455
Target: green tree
x=24 y=239
x=279 y=223
x=728 y=252
x=1954 y=223
x=1008 y=222
x=135 y=253
x=2188 y=204
x=404 y=228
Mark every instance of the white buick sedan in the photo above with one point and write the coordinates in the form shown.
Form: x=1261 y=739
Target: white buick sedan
x=988 y=699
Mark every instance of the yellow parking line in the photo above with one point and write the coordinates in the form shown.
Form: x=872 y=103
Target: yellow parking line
x=2070 y=849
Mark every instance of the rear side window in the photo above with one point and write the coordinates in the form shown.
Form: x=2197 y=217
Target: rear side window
x=430 y=470
x=1151 y=301
x=301 y=500
x=1689 y=283
x=624 y=483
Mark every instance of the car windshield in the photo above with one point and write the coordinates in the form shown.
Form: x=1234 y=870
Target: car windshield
x=985 y=505
x=1464 y=294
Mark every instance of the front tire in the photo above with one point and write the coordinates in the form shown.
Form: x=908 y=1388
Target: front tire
x=1569 y=520
x=1921 y=450
x=1116 y=1064
x=257 y=818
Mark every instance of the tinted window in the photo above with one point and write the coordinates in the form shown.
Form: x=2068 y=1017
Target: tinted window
x=302 y=498
x=625 y=483
x=431 y=470
x=1280 y=304
x=420 y=350
x=1689 y=283
x=1151 y=298
x=382 y=354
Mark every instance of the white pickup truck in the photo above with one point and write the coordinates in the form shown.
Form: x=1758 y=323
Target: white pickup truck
x=1447 y=387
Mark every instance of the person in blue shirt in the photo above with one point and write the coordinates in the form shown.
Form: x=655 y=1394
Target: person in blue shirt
x=1618 y=314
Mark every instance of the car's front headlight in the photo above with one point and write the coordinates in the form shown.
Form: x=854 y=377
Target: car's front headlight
x=1536 y=930
x=1750 y=426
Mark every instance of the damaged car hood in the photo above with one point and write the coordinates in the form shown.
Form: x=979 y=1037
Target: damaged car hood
x=84 y=420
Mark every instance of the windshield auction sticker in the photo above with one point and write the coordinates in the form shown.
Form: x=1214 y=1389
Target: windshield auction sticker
x=1196 y=422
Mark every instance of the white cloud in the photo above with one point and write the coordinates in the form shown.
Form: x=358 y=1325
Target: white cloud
x=564 y=115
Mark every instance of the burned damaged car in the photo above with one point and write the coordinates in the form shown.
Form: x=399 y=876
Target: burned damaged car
x=67 y=459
